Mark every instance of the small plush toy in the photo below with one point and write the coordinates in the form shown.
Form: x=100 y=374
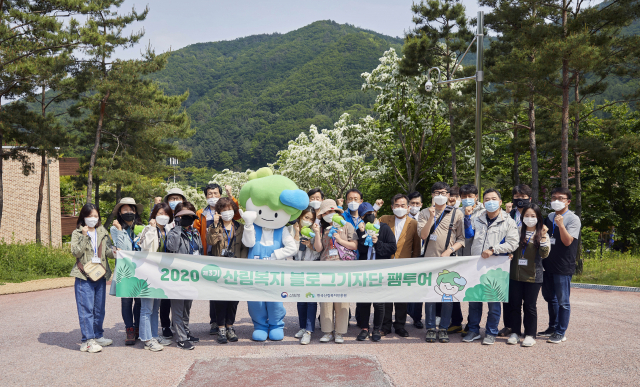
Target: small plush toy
x=336 y=223
x=371 y=230
x=306 y=232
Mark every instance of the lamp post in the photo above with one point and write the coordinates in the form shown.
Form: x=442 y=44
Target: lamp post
x=173 y=162
x=479 y=78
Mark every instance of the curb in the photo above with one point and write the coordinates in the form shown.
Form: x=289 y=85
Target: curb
x=605 y=287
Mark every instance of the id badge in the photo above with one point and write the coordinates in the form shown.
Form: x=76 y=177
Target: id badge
x=95 y=259
x=433 y=237
x=333 y=252
x=552 y=241
x=523 y=262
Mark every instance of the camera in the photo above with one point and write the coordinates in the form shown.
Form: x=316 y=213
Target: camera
x=227 y=253
x=428 y=86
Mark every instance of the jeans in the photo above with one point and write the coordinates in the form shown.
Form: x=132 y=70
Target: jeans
x=165 y=309
x=149 y=318
x=430 y=314
x=363 y=310
x=401 y=316
x=523 y=293
x=130 y=312
x=307 y=315
x=493 y=317
x=90 y=299
x=225 y=312
x=556 y=289
x=456 y=313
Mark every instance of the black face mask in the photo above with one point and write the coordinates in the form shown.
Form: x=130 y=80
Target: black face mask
x=128 y=217
x=369 y=218
x=522 y=203
x=186 y=221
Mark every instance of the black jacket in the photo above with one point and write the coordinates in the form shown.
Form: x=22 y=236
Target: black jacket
x=385 y=247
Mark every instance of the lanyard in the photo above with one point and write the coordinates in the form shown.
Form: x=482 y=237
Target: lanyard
x=193 y=246
x=525 y=247
x=210 y=212
x=229 y=236
x=519 y=218
x=163 y=240
x=553 y=231
x=95 y=244
x=439 y=220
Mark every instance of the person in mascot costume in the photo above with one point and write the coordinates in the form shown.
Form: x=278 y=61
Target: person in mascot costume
x=271 y=201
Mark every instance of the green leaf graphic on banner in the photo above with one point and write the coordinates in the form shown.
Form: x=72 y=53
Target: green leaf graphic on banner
x=493 y=287
x=125 y=268
x=135 y=287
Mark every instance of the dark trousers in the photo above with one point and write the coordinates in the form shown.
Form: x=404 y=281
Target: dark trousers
x=523 y=297
x=307 y=315
x=225 y=312
x=363 y=312
x=212 y=312
x=401 y=316
x=556 y=290
x=165 y=309
x=506 y=314
x=414 y=309
x=130 y=308
x=456 y=313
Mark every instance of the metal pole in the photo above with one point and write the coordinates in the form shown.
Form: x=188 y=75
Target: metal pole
x=479 y=79
x=49 y=200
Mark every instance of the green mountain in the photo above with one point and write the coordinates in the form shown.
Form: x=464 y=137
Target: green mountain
x=250 y=96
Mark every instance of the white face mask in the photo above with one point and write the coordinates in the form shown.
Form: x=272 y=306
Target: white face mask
x=353 y=206
x=440 y=200
x=529 y=221
x=400 y=212
x=227 y=215
x=557 y=205
x=91 y=222
x=315 y=204
x=458 y=202
x=328 y=218
x=414 y=210
x=305 y=223
x=162 y=220
x=212 y=201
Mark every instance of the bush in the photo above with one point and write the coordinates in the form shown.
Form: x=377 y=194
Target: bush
x=21 y=262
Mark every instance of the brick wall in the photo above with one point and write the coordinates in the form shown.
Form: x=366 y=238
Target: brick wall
x=21 y=203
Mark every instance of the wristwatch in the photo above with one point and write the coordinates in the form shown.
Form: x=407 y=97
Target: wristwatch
x=452 y=249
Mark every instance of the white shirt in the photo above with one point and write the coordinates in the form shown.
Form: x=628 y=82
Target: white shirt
x=399 y=226
x=94 y=240
x=289 y=248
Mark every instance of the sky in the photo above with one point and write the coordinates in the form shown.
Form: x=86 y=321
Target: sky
x=176 y=24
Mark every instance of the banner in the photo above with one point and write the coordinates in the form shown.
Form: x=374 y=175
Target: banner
x=442 y=279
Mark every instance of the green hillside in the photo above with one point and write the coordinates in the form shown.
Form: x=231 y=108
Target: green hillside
x=250 y=96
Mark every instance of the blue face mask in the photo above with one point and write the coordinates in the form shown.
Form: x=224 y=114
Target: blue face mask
x=492 y=205
x=173 y=204
x=468 y=202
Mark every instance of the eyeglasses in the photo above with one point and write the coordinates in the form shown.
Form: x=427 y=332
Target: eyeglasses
x=437 y=193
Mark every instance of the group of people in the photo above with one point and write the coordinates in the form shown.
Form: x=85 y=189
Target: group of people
x=542 y=253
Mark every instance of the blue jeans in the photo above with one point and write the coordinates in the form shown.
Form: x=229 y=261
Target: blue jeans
x=149 y=318
x=307 y=315
x=90 y=299
x=556 y=289
x=130 y=312
x=493 y=317
x=430 y=315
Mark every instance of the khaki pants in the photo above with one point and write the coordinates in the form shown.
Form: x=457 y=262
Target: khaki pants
x=341 y=317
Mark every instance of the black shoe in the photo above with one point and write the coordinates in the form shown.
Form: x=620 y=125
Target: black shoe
x=166 y=332
x=364 y=334
x=550 y=331
x=214 y=329
x=185 y=344
x=402 y=332
x=418 y=324
x=384 y=333
x=192 y=339
x=376 y=336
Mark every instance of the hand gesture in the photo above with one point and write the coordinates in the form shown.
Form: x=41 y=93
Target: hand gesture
x=432 y=211
x=340 y=202
x=560 y=220
x=152 y=223
x=117 y=225
x=315 y=228
x=508 y=206
x=468 y=210
x=85 y=230
x=545 y=229
x=361 y=226
x=510 y=257
x=306 y=243
x=487 y=253
x=374 y=238
x=216 y=218
x=379 y=202
x=248 y=216
x=296 y=227
x=228 y=189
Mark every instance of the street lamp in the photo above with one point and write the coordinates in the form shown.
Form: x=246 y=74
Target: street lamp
x=173 y=162
x=479 y=78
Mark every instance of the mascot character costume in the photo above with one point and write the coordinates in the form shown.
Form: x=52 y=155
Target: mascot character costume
x=271 y=201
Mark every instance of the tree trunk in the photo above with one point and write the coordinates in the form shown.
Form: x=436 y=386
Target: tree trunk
x=1 y=168
x=564 y=135
x=118 y=193
x=454 y=167
x=96 y=146
x=516 y=155
x=533 y=149
x=576 y=154
x=43 y=164
x=98 y=194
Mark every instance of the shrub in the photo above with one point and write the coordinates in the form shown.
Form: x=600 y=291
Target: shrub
x=21 y=262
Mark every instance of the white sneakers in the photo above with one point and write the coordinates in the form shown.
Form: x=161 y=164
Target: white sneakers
x=339 y=339
x=300 y=333
x=326 y=338
x=306 y=338
x=529 y=341
x=153 y=345
x=513 y=339
x=104 y=342
x=90 y=346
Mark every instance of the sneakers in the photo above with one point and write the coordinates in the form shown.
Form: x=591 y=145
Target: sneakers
x=489 y=340
x=339 y=339
x=529 y=341
x=153 y=345
x=471 y=336
x=300 y=333
x=131 y=336
x=557 y=339
x=214 y=329
x=454 y=329
x=231 y=335
x=166 y=333
x=363 y=335
x=184 y=344
x=443 y=336
x=163 y=341
x=90 y=346
x=431 y=335
x=513 y=339
x=504 y=332
x=326 y=338
x=222 y=336
x=103 y=341
x=550 y=331
x=192 y=339
x=306 y=338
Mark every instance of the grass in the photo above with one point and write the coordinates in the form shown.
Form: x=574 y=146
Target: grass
x=21 y=262
x=614 y=268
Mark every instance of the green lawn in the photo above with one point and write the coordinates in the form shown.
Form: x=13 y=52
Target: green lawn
x=614 y=268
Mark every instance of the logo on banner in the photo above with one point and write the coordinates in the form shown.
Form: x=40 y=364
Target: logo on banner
x=284 y=294
x=211 y=273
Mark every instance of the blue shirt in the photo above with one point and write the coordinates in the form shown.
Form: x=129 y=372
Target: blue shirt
x=354 y=222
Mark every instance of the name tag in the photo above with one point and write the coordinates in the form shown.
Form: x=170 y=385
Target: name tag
x=195 y=253
x=256 y=257
x=333 y=252
x=433 y=237
x=552 y=241
x=95 y=259
x=523 y=262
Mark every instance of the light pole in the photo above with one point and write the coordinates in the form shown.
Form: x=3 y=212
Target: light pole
x=173 y=161
x=479 y=78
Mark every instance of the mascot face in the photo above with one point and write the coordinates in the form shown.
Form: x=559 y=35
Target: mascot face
x=267 y=217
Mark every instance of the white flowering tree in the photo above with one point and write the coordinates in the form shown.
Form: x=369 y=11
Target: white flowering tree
x=234 y=179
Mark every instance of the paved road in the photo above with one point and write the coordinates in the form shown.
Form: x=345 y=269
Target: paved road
x=39 y=345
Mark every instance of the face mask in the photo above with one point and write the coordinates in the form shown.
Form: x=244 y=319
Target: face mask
x=173 y=204
x=305 y=223
x=162 y=220
x=212 y=201
x=369 y=218
x=128 y=217
x=557 y=205
x=492 y=205
x=440 y=200
x=400 y=212
x=91 y=222
x=315 y=204
x=468 y=202
x=530 y=222
x=186 y=221
x=353 y=206
x=327 y=218
x=522 y=203
x=227 y=215
x=414 y=210
x=457 y=203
